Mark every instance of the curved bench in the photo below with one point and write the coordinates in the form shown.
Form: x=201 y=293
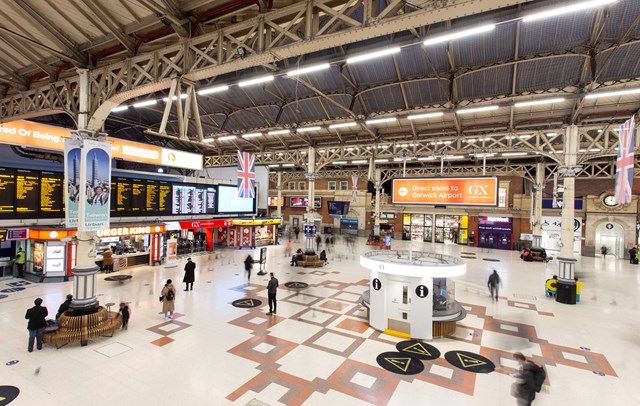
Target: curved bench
x=80 y=328
x=311 y=260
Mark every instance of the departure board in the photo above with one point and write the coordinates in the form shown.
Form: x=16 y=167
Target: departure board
x=138 y=196
x=27 y=191
x=210 y=194
x=51 y=193
x=189 y=199
x=7 y=191
x=122 y=194
x=164 y=197
x=151 y=202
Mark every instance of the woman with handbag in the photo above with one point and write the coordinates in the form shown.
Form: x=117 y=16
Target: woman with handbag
x=167 y=298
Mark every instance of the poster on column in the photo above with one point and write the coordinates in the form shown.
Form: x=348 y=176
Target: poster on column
x=172 y=253
x=95 y=178
x=71 y=181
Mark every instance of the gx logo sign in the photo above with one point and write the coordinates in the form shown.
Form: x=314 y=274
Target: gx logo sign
x=479 y=190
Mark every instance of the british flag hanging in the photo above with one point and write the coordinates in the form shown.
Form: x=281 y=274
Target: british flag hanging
x=246 y=174
x=625 y=161
x=354 y=188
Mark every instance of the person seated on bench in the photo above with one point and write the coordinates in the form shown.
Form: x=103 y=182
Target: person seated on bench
x=551 y=286
x=64 y=306
x=526 y=255
x=323 y=256
x=297 y=257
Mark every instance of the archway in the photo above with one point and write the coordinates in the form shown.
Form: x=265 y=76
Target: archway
x=611 y=235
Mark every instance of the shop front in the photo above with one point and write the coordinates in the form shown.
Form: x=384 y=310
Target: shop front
x=131 y=245
x=198 y=235
x=252 y=233
x=446 y=227
x=495 y=232
x=10 y=240
x=49 y=257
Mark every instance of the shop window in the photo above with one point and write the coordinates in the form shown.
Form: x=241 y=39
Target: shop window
x=292 y=185
x=332 y=185
x=302 y=185
x=344 y=185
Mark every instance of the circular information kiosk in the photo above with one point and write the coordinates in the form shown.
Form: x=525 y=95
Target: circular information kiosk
x=410 y=293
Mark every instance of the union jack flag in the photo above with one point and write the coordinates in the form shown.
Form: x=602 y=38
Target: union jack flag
x=246 y=174
x=354 y=188
x=625 y=162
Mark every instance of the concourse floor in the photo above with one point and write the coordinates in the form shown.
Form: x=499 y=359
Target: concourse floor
x=318 y=349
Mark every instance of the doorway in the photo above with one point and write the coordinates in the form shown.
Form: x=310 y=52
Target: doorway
x=610 y=235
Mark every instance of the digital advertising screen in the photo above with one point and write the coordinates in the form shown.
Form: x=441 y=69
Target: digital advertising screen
x=472 y=191
x=230 y=203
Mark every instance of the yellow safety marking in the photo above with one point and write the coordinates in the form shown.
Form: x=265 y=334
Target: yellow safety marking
x=468 y=362
x=245 y=303
x=400 y=363
x=397 y=333
x=417 y=348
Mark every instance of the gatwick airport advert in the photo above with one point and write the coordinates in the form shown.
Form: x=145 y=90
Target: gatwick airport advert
x=473 y=191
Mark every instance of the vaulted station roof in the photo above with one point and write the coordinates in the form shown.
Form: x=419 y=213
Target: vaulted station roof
x=560 y=59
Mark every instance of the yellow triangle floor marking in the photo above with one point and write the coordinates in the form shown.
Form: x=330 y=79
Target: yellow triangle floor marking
x=417 y=348
x=246 y=302
x=1 y=398
x=400 y=363
x=468 y=362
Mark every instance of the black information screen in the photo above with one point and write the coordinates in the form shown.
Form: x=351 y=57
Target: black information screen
x=27 y=191
x=7 y=191
x=151 y=202
x=210 y=194
x=122 y=192
x=138 y=196
x=51 y=193
x=189 y=199
x=164 y=197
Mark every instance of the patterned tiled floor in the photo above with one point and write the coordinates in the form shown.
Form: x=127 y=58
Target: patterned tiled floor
x=319 y=349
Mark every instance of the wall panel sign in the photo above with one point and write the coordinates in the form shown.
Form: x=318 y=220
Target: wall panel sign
x=475 y=191
x=18 y=234
x=48 y=137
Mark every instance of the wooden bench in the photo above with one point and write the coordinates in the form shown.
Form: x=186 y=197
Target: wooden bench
x=311 y=260
x=80 y=328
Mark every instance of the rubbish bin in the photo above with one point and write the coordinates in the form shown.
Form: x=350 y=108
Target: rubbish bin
x=566 y=292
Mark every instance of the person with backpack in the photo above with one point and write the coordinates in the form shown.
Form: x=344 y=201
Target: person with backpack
x=167 y=298
x=493 y=284
x=531 y=378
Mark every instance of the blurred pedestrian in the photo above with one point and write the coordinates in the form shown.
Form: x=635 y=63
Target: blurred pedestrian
x=494 y=283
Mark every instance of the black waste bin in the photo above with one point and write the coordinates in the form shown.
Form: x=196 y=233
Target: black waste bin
x=566 y=292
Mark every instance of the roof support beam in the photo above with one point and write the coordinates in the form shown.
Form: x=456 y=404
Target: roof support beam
x=107 y=21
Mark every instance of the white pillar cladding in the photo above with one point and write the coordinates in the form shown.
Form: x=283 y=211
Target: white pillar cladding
x=279 y=188
x=537 y=191
x=311 y=177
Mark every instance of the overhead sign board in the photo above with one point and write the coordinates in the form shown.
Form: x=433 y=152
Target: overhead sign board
x=475 y=191
x=48 y=137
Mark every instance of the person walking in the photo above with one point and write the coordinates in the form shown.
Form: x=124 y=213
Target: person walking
x=248 y=265
x=272 y=289
x=37 y=323
x=167 y=298
x=107 y=260
x=189 y=274
x=318 y=242
x=124 y=310
x=632 y=254
x=21 y=258
x=296 y=231
x=604 y=251
x=530 y=380
x=494 y=283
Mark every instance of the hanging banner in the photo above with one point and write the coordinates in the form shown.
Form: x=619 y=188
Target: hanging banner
x=71 y=181
x=172 y=253
x=95 y=186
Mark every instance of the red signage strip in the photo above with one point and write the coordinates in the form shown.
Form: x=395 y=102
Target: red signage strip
x=205 y=223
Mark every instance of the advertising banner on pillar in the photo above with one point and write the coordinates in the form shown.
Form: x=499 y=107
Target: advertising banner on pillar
x=472 y=191
x=71 y=181
x=172 y=253
x=95 y=181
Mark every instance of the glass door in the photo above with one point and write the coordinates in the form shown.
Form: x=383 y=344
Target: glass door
x=428 y=227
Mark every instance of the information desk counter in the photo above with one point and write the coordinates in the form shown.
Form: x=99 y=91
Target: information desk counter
x=126 y=260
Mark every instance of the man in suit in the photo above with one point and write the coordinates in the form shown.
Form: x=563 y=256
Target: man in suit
x=37 y=323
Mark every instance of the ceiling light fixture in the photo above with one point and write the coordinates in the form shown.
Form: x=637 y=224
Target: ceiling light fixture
x=343 y=125
x=360 y=161
x=339 y=162
x=256 y=81
x=454 y=156
x=287 y=165
x=308 y=69
x=427 y=158
x=227 y=138
x=182 y=96
x=373 y=55
x=573 y=8
x=459 y=34
x=539 y=102
x=119 y=108
x=477 y=109
x=380 y=120
x=214 y=89
x=279 y=132
x=379 y=161
x=514 y=154
x=306 y=129
x=425 y=115
x=145 y=103
x=613 y=93
x=251 y=135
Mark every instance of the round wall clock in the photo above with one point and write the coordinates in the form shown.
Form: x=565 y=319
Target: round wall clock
x=610 y=200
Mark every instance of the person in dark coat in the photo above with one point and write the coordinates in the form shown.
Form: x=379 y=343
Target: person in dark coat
x=248 y=265
x=296 y=231
x=272 y=289
x=323 y=256
x=189 y=274
x=318 y=242
x=632 y=254
x=493 y=284
x=37 y=322
x=124 y=310
x=64 y=306
x=525 y=388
